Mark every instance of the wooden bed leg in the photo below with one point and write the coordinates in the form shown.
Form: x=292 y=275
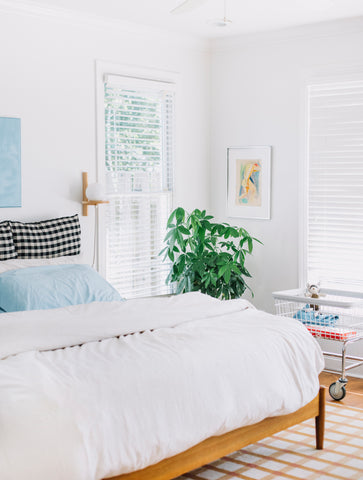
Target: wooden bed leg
x=320 y=420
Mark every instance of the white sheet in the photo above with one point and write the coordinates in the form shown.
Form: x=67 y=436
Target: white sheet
x=16 y=263
x=117 y=405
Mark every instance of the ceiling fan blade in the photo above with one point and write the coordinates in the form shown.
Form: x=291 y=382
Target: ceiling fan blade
x=187 y=6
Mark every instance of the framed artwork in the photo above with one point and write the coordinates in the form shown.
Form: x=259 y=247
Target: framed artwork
x=249 y=182
x=10 y=162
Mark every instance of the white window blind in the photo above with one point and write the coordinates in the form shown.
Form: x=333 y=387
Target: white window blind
x=335 y=185
x=139 y=132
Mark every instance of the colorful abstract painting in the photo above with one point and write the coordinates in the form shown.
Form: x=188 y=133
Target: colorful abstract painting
x=10 y=162
x=249 y=182
x=248 y=188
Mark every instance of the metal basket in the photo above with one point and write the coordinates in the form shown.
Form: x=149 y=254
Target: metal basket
x=336 y=315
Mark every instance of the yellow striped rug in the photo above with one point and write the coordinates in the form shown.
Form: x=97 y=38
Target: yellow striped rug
x=291 y=454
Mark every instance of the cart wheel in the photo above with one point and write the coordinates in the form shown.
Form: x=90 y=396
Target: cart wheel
x=337 y=391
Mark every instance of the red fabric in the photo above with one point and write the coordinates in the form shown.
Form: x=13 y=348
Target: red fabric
x=330 y=332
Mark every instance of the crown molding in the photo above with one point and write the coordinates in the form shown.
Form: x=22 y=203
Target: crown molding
x=76 y=18
x=80 y=19
x=347 y=26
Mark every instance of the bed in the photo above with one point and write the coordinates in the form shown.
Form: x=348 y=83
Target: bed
x=94 y=387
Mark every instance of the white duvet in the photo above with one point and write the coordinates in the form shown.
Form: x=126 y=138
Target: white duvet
x=112 y=402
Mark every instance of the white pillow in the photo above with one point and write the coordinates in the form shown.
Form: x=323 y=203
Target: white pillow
x=15 y=263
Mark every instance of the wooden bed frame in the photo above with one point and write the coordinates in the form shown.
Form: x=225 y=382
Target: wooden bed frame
x=214 y=448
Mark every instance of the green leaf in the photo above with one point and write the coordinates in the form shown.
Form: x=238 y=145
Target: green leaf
x=181 y=263
x=168 y=278
x=180 y=214
x=250 y=245
x=243 y=241
x=181 y=285
x=214 y=229
x=222 y=270
x=221 y=229
x=246 y=272
x=168 y=235
x=170 y=219
x=236 y=269
x=234 y=232
x=226 y=232
x=206 y=225
x=213 y=278
x=227 y=274
x=180 y=240
x=184 y=230
x=257 y=240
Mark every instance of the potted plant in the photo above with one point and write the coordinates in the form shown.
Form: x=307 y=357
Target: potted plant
x=206 y=256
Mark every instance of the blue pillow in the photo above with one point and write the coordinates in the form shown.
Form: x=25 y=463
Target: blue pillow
x=53 y=286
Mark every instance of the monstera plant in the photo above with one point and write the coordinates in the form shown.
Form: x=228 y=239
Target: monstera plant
x=206 y=256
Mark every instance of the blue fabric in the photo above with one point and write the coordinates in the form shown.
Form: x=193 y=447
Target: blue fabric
x=53 y=286
x=309 y=316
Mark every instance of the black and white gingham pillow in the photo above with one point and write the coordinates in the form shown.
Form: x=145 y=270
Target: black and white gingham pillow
x=7 y=247
x=47 y=239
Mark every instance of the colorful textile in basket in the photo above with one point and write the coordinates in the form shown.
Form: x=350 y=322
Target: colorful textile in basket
x=331 y=333
x=309 y=316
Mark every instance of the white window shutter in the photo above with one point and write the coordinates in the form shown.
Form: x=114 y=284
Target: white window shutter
x=335 y=185
x=139 y=143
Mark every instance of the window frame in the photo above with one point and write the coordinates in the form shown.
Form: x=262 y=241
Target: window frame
x=102 y=69
x=324 y=75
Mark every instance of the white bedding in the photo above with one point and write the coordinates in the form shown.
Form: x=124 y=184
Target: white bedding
x=201 y=367
x=16 y=263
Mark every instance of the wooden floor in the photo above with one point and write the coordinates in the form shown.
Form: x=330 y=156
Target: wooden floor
x=354 y=397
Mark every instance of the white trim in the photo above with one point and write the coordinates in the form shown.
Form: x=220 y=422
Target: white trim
x=136 y=71
x=103 y=68
x=303 y=185
x=245 y=41
x=77 y=18
x=125 y=81
x=100 y=152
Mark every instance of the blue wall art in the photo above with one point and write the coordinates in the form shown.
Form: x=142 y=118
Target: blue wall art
x=10 y=162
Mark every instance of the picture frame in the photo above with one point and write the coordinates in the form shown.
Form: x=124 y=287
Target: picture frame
x=249 y=182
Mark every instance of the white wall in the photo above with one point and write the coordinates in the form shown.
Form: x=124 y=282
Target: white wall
x=257 y=99
x=47 y=77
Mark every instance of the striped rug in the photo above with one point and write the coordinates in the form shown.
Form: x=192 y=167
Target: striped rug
x=291 y=454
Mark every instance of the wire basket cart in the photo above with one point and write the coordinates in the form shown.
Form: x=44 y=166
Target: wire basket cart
x=336 y=315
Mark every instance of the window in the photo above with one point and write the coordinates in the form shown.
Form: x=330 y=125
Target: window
x=139 y=131
x=334 y=249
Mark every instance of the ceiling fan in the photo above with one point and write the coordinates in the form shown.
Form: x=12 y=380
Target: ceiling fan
x=188 y=5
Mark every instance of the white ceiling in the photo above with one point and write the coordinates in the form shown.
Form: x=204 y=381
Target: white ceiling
x=247 y=15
